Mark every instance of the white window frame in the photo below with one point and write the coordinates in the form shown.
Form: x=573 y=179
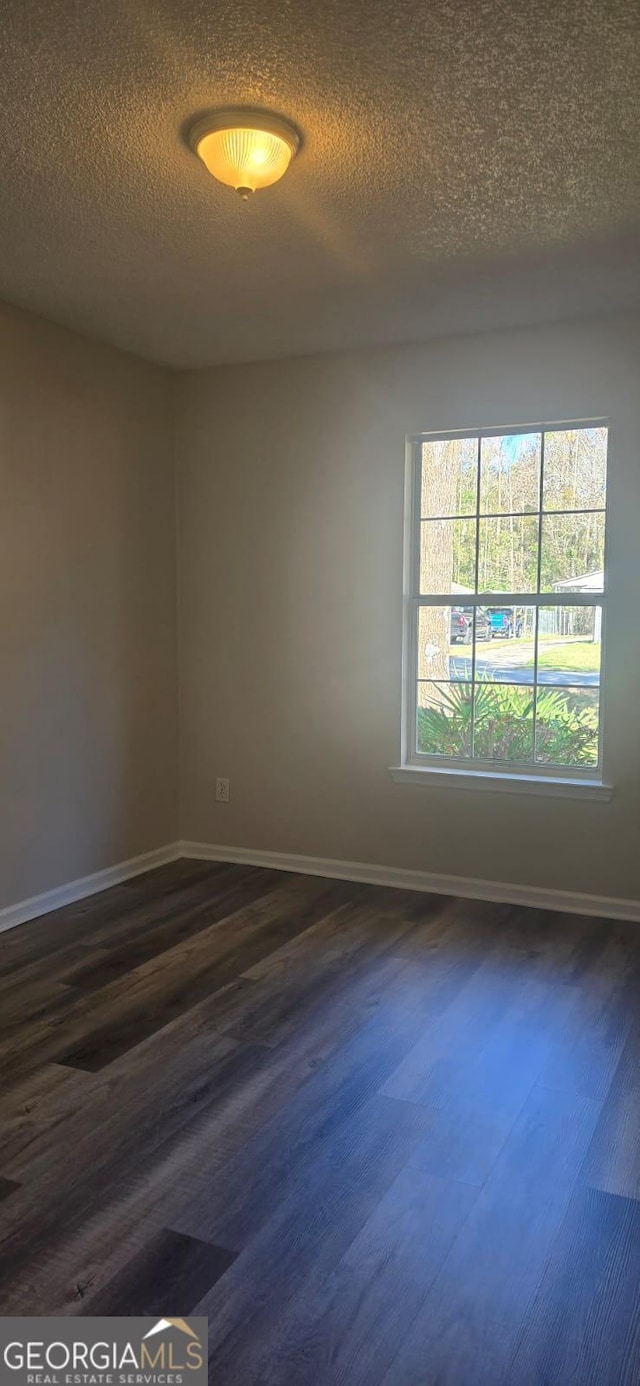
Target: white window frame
x=512 y=776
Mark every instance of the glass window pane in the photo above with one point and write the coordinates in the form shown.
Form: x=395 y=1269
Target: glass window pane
x=444 y=719
x=567 y=726
x=572 y=552
x=575 y=469
x=445 y=635
x=508 y=554
x=569 y=645
x=520 y=542
x=505 y=644
x=449 y=477
x=510 y=473
x=503 y=722
x=447 y=556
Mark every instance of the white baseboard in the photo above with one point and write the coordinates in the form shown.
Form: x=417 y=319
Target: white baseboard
x=503 y=892
x=609 y=907
x=86 y=885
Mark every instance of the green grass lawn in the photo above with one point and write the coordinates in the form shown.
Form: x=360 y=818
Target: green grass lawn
x=579 y=656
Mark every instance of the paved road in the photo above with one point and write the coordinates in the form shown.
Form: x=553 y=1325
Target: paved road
x=502 y=669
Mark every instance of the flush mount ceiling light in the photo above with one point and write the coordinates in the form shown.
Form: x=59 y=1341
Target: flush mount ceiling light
x=245 y=149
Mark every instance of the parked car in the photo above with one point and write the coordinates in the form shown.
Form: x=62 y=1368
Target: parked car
x=462 y=624
x=504 y=621
x=459 y=626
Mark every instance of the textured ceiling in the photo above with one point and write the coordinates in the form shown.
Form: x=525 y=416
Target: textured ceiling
x=466 y=163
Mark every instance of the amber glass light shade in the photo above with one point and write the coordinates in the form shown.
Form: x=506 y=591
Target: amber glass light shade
x=245 y=150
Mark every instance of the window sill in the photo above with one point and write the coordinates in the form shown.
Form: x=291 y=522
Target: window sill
x=556 y=787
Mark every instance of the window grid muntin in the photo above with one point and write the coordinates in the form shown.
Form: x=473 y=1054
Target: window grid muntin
x=537 y=620
x=478 y=599
x=513 y=514
x=515 y=767
x=508 y=433
x=475 y=609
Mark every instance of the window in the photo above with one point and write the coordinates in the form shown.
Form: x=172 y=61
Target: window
x=506 y=601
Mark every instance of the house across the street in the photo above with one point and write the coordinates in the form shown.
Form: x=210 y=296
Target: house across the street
x=566 y=620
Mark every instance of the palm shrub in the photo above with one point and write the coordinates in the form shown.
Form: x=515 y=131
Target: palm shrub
x=566 y=732
x=501 y=725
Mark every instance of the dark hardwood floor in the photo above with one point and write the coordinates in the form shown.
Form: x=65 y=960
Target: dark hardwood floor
x=379 y=1138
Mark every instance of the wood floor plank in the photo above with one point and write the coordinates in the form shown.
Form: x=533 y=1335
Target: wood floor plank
x=20 y=986
x=300 y=1244
x=185 y=973
x=186 y=871
x=319 y=1039
x=162 y=926
x=231 y=889
x=357 y=1318
x=613 y=1160
x=238 y=1199
x=453 y=1035
x=47 y=999
x=584 y=1057
x=342 y=945
x=171 y=1270
x=469 y=1324
x=95 y=1170
x=382 y=1138
x=74 y=923
x=143 y=930
x=475 y=1097
x=33 y=1109
x=122 y=913
x=585 y=1323
x=147 y=1195
x=98 y=1030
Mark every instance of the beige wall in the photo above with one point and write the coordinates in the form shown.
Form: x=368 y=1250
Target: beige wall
x=290 y=525
x=88 y=734
x=290 y=539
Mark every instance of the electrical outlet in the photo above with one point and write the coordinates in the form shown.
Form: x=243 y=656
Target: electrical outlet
x=222 y=791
